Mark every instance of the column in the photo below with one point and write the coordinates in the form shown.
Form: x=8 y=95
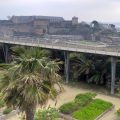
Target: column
x=5 y=51
x=66 y=55
x=113 y=74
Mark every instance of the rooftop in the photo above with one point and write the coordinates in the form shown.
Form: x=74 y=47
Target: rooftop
x=25 y=19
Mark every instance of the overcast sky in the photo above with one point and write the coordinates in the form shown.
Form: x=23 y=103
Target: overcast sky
x=86 y=10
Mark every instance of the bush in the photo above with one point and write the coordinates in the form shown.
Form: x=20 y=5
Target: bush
x=79 y=102
x=90 y=95
x=118 y=112
x=2 y=104
x=69 y=108
x=85 y=98
x=92 y=110
x=7 y=110
x=49 y=114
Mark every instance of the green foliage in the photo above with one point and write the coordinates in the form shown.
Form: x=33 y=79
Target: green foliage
x=29 y=52
x=118 y=112
x=34 y=77
x=45 y=114
x=92 y=110
x=91 y=95
x=81 y=64
x=69 y=108
x=95 y=69
x=48 y=114
x=7 y=110
x=2 y=103
x=78 y=103
x=17 y=50
x=30 y=81
x=83 y=99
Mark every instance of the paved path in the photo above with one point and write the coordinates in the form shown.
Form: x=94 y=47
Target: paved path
x=71 y=92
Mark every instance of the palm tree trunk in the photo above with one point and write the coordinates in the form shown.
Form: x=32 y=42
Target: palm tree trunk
x=30 y=112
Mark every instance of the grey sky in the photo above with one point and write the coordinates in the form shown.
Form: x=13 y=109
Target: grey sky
x=86 y=10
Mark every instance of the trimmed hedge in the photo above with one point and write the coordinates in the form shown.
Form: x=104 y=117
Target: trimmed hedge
x=85 y=98
x=92 y=110
x=69 y=108
x=80 y=101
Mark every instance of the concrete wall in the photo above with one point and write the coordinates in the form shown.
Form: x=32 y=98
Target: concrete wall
x=58 y=30
x=27 y=28
x=40 y=22
x=6 y=30
x=39 y=31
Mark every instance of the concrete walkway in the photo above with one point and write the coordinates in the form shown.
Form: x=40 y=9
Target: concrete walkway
x=71 y=92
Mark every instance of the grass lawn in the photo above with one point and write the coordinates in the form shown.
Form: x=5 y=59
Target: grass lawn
x=92 y=110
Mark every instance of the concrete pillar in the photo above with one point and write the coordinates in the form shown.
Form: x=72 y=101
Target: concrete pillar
x=5 y=51
x=66 y=55
x=113 y=74
x=93 y=37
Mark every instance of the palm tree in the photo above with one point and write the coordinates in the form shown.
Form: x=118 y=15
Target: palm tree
x=93 y=67
x=29 y=52
x=100 y=72
x=82 y=65
x=30 y=82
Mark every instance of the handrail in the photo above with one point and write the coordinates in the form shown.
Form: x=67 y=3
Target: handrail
x=65 y=44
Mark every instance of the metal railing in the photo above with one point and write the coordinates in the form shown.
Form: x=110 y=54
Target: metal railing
x=62 y=43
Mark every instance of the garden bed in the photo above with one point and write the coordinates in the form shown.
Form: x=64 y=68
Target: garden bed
x=85 y=107
x=92 y=110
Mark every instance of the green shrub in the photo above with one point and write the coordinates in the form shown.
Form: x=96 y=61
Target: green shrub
x=69 y=108
x=92 y=110
x=2 y=103
x=118 y=112
x=49 y=114
x=90 y=95
x=85 y=98
x=79 y=102
x=7 y=110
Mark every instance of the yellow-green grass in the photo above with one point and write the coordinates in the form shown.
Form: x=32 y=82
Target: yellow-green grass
x=92 y=110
